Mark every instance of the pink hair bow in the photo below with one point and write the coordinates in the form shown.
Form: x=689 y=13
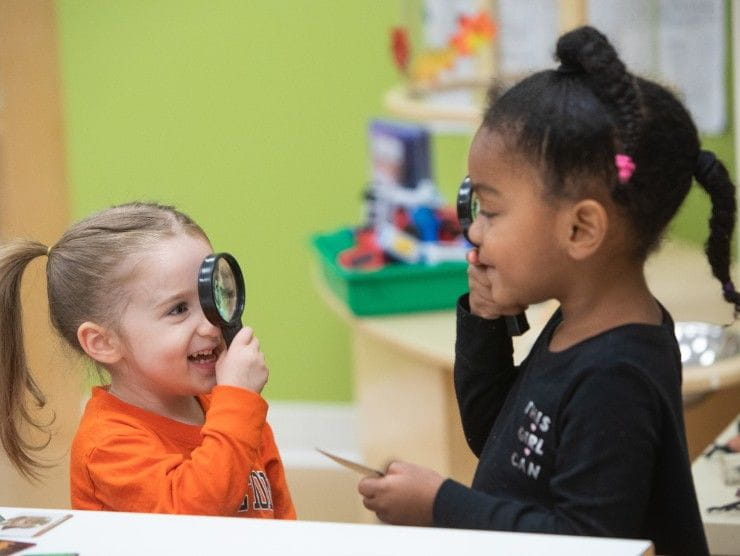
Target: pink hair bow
x=625 y=167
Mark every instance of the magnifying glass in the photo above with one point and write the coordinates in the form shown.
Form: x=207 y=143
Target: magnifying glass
x=468 y=208
x=222 y=293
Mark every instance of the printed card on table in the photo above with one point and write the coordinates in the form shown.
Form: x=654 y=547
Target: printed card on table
x=30 y=524
x=353 y=465
x=11 y=547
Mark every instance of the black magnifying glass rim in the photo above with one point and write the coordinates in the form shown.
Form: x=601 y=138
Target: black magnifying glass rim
x=207 y=293
x=465 y=206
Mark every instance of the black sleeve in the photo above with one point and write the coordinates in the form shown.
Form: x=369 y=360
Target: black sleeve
x=605 y=460
x=484 y=372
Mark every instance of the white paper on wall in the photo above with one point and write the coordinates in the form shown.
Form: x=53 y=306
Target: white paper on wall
x=679 y=43
x=440 y=20
x=528 y=31
x=631 y=26
x=691 y=39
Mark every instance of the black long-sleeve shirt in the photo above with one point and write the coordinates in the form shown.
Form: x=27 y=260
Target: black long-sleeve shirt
x=585 y=441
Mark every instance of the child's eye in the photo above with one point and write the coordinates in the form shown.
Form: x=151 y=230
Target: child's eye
x=179 y=309
x=487 y=213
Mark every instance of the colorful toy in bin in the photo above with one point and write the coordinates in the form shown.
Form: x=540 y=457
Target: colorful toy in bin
x=365 y=255
x=408 y=254
x=391 y=288
x=399 y=153
x=406 y=219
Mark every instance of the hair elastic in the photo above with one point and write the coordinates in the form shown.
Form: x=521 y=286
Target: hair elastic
x=625 y=167
x=48 y=251
x=705 y=163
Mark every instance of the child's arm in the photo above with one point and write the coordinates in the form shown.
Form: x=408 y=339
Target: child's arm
x=602 y=470
x=484 y=363
x=133 y=469
x=484 y=372
x=600 y=483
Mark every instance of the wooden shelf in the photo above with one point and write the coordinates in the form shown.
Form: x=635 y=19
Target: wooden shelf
x=400 y=102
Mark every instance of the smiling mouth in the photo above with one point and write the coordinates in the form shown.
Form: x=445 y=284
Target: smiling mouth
x=205 y=355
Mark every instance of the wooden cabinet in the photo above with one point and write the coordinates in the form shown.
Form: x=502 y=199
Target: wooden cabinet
x=34 y=204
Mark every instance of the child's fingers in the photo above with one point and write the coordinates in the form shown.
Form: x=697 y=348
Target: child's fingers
x=220 y=358
x=472 y=257
x=243 y=337
x=371 y=486
x=395 y=467
x=368 y=486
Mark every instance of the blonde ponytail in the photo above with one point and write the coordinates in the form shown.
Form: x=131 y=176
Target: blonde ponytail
x=18 y=389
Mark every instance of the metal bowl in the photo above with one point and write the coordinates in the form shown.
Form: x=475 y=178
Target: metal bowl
x=703 y=344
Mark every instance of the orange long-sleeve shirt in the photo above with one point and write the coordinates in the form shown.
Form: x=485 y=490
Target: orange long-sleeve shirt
x=125 y=458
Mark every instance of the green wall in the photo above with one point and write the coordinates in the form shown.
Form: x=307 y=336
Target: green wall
x=250 y=116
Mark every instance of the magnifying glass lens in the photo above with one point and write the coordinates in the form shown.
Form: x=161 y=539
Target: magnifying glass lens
x=474 y=207
x=222 y=294
x=224 y=290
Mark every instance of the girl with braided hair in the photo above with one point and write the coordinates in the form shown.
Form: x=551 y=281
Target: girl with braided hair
x=577 y=172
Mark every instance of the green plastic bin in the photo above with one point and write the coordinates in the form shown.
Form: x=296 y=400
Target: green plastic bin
x=395 y=288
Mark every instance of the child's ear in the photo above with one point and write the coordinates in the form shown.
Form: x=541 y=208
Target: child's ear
x=587 y=224
x=100 y=343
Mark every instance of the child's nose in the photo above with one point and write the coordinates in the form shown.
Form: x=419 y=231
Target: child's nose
x=475 y=232
x=207 y=328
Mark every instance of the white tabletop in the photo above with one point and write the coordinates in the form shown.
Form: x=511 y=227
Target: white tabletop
x=109 y=533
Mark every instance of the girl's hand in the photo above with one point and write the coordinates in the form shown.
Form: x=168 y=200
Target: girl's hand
x=405 y=496
x=481 y=298
x=243 y=364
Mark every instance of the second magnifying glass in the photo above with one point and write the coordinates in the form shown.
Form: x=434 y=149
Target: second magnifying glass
x=467 y=211
x=222 y=293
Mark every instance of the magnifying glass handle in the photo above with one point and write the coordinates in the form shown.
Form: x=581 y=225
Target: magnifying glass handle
x=229 y=331
x=516 y=325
